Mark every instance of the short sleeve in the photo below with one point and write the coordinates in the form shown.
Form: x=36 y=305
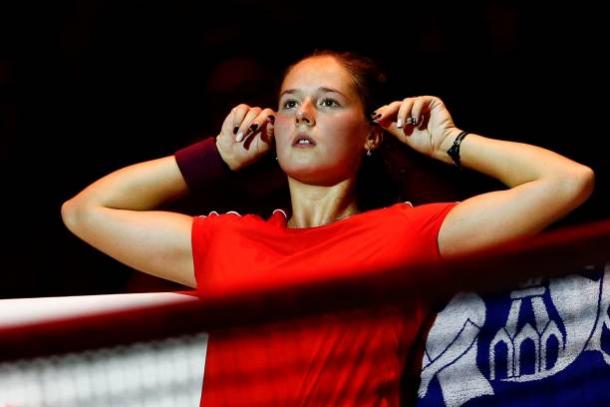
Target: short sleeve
x=425 y=222
x=201 y=233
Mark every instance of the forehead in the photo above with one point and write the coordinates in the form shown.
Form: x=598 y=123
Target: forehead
x=316 y=72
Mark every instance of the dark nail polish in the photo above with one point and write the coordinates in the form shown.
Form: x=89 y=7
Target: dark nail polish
x=271 y=119
x=235 y=129
x=254 y=127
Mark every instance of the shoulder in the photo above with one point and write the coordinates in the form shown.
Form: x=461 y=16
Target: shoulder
x=408 y=218
x=236 y=218
x=414 y=229
x=428 y=211
x=424 y=222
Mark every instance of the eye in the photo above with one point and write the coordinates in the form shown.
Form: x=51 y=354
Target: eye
x=329 y=102
x=289 y=104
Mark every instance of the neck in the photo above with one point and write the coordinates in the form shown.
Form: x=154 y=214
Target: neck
x=318 y=205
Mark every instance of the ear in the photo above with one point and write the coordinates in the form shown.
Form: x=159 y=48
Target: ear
x=374 y=138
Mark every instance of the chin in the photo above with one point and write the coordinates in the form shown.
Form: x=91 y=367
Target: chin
x=312 y=174
x=306 y=174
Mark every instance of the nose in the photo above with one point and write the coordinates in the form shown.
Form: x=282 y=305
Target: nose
x=305 y=115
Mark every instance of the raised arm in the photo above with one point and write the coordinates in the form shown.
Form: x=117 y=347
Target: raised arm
x=543 y=186
x=116 y=214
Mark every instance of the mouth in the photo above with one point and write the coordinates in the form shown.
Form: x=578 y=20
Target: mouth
x=303 y=140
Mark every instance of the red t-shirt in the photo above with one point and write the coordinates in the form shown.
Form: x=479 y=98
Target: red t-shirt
x=343 y=358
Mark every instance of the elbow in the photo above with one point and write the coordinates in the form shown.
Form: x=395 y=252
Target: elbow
x=580 y=184
x=73 y=215
x=69 y=214
x=586 y=182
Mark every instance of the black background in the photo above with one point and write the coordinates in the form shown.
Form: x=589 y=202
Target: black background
x=89 y=87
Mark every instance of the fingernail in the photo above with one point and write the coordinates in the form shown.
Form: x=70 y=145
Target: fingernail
x=399 y=123
x=253 y=128
x=239 y=137
x=235 y=129
x=271 y=119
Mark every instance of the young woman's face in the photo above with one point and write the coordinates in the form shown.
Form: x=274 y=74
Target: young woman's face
x=318 y=99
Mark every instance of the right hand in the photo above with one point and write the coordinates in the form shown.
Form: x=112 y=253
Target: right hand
x=256 y=126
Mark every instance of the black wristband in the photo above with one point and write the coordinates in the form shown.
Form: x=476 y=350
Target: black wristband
x=454 y=150
x=201 y=165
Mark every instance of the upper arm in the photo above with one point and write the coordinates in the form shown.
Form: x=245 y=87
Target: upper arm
x=497 y=217
x=154 y=242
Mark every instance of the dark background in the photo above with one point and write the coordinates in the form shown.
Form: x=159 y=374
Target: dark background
x=89 y=87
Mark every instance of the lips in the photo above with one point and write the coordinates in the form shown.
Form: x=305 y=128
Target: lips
x=303 y=136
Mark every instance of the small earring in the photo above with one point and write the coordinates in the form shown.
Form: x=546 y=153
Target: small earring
x=369 y=153
x=276 y=159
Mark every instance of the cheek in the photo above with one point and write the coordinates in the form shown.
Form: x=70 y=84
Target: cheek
x=282 y=130
x=347 y=134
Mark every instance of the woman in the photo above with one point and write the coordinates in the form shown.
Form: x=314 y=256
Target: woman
x=324 y=128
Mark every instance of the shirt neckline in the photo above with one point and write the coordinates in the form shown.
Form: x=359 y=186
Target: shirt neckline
x=284 y=222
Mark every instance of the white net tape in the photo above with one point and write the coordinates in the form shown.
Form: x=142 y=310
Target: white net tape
x=158 y=373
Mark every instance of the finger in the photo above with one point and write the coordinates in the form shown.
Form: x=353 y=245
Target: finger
x=418 y=110
x=257 y=123
x=404 y=113
x=262 y=121
x=246 y=123
x=269 y=125
x=264 y=118
x=270 y=133
x=385 y=114
x=239 y=113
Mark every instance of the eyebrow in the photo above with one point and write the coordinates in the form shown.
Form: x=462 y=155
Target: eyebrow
x=322 y=88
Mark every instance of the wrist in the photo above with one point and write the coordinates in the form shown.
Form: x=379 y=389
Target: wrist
x=441 y=153
x=225 y=157
x=202 y=165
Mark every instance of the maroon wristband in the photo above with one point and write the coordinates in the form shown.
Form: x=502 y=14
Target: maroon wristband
x=201 y=165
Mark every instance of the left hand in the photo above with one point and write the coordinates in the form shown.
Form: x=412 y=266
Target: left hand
x=421 y=122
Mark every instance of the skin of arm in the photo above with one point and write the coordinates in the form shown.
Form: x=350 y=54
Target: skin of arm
x=543 y=186
x=114 y=215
